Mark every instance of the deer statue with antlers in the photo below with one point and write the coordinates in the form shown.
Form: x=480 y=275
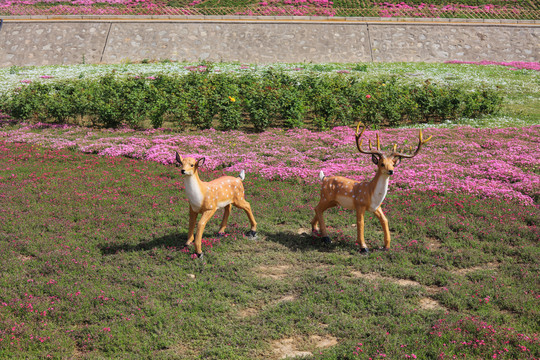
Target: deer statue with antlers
x=361 y=196
x=207 y=197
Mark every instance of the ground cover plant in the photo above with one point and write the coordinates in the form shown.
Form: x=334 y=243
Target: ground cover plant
x=93 y=264
x=501 y=9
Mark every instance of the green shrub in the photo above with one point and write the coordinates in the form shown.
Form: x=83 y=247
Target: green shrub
x=291 y=107
x=170 y=103
x=332 y=101
x=484 y=101
x=204 y=99
x=26 y=102
x=121 y=102
x=261 y=104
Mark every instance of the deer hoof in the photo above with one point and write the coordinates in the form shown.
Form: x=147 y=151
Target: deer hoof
x=385 y=249
x=199 y=256
x=251 y=234
x=364 y=251
x=326 y=240
x=220 y=235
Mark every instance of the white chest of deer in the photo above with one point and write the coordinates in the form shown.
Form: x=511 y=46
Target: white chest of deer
x=194 y=192
x=379 y=193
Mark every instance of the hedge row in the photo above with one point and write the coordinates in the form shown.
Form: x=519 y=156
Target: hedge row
x=229 y=101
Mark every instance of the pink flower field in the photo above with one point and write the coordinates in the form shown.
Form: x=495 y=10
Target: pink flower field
x=486 y=163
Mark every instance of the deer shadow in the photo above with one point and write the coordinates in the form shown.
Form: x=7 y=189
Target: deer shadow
x=174 y=240
x=308 y=242
x=294 y=242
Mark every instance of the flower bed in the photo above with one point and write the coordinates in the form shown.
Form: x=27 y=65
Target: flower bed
x=494 y=163
x=514 y=9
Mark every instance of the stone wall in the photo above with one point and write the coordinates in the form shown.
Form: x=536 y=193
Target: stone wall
x=25 y=42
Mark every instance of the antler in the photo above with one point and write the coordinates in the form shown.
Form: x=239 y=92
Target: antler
x=359 y=144
x=421 y=141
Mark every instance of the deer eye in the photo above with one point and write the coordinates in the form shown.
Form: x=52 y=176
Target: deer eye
x=191 y=165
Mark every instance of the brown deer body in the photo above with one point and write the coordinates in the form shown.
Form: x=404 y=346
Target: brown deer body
x=207 y=197
x=361 y=196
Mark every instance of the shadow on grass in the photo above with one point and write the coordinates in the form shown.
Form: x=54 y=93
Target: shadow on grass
x=176 y=240
x=294 y=242
x=307 y=242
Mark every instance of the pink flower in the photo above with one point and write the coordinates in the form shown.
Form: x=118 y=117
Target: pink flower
x=368 y=96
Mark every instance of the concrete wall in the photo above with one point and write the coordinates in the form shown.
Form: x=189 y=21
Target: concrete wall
x=68 y=40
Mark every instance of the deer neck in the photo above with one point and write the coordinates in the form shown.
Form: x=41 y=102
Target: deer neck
x=195 y=190
x=379 y=186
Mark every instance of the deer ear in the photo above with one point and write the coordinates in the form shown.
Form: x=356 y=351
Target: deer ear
x=397 y=161
x=200 y=161
x=375 y=159
x=178 y=158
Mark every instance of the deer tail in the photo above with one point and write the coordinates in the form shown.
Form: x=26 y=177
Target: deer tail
x=242 y=175
x=321 y=175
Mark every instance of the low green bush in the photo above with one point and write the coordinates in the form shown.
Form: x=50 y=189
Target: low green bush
x=205 y=99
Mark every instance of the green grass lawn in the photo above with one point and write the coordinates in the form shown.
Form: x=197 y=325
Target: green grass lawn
x=92 y=261
x=93 y=266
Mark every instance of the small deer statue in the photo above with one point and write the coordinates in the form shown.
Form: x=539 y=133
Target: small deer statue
x=206 y=197
x=361 y=196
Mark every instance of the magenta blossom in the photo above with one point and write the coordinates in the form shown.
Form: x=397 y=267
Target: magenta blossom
x=493 y=163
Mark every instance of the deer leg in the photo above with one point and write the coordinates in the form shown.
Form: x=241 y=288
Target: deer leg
x=384 y=222
x=360 y=230
x=315 y=224
x=192 y=221
x=207 y=215
x=244 y=205
x=319 y=218
x=226 y=214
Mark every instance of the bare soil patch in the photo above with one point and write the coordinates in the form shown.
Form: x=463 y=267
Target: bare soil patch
x=426 y=303
x=433 y=289
x=253 y=311
x=248 y=312
x=433 y=243
x=179 y=349
x=277 y=272
x=373 y=276
x=24 y=258
x=488 y=266
x=285 y=298
x=298 y=347
x=430 y=304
